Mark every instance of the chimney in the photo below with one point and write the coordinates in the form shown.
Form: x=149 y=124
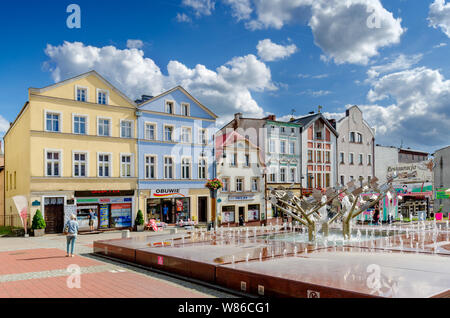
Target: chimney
x=271 y=117
x=237 y=120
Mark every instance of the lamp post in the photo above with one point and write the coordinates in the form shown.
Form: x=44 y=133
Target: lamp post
x=213 y=195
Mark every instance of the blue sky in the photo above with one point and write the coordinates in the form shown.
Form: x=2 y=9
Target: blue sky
x=253 y=56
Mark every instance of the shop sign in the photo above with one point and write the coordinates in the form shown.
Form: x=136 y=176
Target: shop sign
x=105 y=193
x=168 y=192
x=104 y=200
x=424 y=188
x=36 y=203
x=442 y=193
x=241 y=198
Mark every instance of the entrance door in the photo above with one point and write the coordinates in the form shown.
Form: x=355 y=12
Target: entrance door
x=202 y=209
x=54 y=215
x=242 y=212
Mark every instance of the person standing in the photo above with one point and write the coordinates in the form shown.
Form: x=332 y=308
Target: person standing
x=166 y=212
x=91 y=219
x=71 y=230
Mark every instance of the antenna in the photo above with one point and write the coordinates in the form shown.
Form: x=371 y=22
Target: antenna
x=320 y=108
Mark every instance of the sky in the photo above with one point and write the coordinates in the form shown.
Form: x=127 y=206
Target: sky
x=258 y=57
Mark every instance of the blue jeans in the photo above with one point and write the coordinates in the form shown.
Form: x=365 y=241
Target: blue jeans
x=70 y=240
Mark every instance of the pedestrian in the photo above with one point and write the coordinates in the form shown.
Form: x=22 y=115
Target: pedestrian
x=166 y=212
x=91 y=219
x=241 y=220
x=71 y=230
x=376 y=215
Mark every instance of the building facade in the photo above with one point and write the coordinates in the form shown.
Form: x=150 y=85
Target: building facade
x=176 y=157
x=355 y=148
x=242 y=171
x=441 y=171
x=72 y=149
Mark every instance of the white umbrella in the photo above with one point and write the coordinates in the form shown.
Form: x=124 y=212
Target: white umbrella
x=21 y=203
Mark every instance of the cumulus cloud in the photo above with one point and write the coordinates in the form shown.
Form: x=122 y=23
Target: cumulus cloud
x=420 y=113
x=4 y=125
x=400 y=62
x=200 y=7
x=351 y=31
x=439 y=16
x=269 y=51
x=182 y=17
x=226 y=90
x=313 y=93
x=241 y=9
x=134 y=44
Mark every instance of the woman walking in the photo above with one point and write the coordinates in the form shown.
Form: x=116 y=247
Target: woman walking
x=71 y=230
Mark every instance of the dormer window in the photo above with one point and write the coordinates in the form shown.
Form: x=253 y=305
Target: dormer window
x=169 y=107
x=185 y=109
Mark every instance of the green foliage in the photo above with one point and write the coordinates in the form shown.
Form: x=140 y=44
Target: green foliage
x=139 y=218
x=38 y=221
x=214 y=184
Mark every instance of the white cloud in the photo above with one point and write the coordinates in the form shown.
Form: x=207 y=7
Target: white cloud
x=134 y=44
x=420 y=113
x=200 y=7
x=269 y=51
x=241 y=9
x=226 y=90
x=313 y=93
x=182 y=17
x=351 y=31
x=439 y=45
x=401 y=62
x=4 y=125
x=439 y=16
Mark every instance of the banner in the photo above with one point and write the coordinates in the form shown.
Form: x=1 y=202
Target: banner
x=21 y=203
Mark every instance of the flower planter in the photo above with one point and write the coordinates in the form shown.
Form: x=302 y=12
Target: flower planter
x=140 y=228
x=39 y=232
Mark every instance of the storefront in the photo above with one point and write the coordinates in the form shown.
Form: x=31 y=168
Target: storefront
x=169 y=205
x=414 y=198
x=232 y=207
x=113 y=209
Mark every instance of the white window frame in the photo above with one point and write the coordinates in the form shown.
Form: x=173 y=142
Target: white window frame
x=77 y=87
x=110 y=164
x=131 y=127
x=283 y=149
x=131 y=164
x=200 y=130
x=294 y=175
x=272 y=146
x=173 y=167
x=100 y=90
x=86 y=123
x=188 y=109
x=173 y=133
x=60 y=162
x=236 y=184
x=173 y=106
x=155 y=130
x=60 y=120
x=226 y=184
x=281 y=174
x=189 y=167
x=369 y=159
x=149 y=164
x=182 y=134
x=361 y=159
x=206 y=168
x=110 y=126
x=86 y=169
x=257 y=184
x=292 y=149
x=351 y=155
x=342 y=157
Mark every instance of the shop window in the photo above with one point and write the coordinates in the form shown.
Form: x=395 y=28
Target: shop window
x=253 y=212
x=228 y=214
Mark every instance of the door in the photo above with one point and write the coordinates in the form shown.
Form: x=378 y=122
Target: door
x=54 y=215
x=202 y=209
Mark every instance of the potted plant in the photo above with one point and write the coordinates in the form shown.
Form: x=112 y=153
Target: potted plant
x=139 y=222
x=38 y=225
x=214 y=185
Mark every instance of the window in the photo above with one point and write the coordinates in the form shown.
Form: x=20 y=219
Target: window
x=341 y=158
x=104 y=127
x=360 y=158
x=319 y=135
x=186 y=168
x=351 y=159
x=52 y=163
x=150 y=167
x=150 y=131
x=15 y=181
x=342 y=180
x=126 y=130
x=169 y=107
x=272 y=177
x=369 y=178
x=255 y=182
x=79 y=124
x=272 y=146
x=327 y=157
x=104 y=165
x=352 y=136
x=203 y=138
x=247 y=160
x=185 y=109
x=361 y=179
x=239 y=185
x=79 y=164
x=293 y=130
x=292 y=148
x=168 y=168
x=283 y=175
x=327 y=180
x=52 y=122
x=319 y=156
x=226 y=185
x=319 y=180
x=102 y=97
x=360 y=139
x=233 y=162
x=369 y=160
x=126 y=166
x=81 y=94
x=202 y=168
x=310 y=156
x=292 y=175
x=168 y=133
x=186 y=134
x=283 y=129
x=282 y=146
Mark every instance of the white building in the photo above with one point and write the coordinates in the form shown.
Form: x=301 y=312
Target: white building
x=240 y=168
x=385 y=157
x=355 y=147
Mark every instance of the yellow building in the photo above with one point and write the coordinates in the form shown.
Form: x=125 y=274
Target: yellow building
x=72 y=149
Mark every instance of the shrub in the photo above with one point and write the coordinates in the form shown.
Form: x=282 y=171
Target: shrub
x=38 y=221
x=139 y=218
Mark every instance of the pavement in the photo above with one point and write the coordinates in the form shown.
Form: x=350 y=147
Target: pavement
x=37 y=267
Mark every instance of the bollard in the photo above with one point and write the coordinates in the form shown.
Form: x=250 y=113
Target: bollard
x=126 y=234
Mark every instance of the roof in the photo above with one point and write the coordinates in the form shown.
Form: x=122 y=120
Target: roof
x=440 y=150
x=224 y=140
x=412 y=151
x=185 y=92
x=308 y=120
